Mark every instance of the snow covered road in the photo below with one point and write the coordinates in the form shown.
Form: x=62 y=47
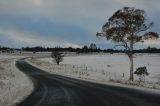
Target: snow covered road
x=55 y=90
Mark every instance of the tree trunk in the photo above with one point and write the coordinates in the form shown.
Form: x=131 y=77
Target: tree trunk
x=131 y=67
x=131 y=59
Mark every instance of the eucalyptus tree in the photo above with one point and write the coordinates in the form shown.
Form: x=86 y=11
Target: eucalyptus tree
x=126 y=27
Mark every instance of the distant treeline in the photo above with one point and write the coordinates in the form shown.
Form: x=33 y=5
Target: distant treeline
x=84 y=49
x=67 y=49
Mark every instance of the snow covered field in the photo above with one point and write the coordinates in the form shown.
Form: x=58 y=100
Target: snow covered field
x=103 y=67
x=14 y=85
x=118 y=64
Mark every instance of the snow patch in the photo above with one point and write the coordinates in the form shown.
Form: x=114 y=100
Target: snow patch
x=14 y=84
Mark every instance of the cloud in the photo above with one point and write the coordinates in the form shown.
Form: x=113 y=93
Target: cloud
x=73 y=20
x=29 y=39
x=91 y=12
x=152 y=42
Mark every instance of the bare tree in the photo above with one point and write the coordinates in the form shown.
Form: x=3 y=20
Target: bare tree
x=57 y=56
x=126 y=27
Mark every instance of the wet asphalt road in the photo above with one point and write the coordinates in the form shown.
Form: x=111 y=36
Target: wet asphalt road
x=55 y=90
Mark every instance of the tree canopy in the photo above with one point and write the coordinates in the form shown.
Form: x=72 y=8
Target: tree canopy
x=128 y=25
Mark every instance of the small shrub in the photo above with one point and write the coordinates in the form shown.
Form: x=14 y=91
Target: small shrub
x=154 y=86
x=108 y=65
x=141 y=72
x=57 y=56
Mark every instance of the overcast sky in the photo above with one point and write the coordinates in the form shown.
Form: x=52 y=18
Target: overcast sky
x=64 y=22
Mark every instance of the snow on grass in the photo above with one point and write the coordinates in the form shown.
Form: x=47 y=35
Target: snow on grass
x=118 y=64
x=106 y=67
x=14 y=84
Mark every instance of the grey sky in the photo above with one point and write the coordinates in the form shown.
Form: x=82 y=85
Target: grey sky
x=64 y=22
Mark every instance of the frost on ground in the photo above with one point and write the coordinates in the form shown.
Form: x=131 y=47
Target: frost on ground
x=14 y=85
x=106 y=67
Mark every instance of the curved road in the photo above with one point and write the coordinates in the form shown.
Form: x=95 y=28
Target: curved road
x=55 y=90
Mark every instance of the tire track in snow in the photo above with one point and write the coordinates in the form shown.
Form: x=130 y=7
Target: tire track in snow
x=45 y=92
